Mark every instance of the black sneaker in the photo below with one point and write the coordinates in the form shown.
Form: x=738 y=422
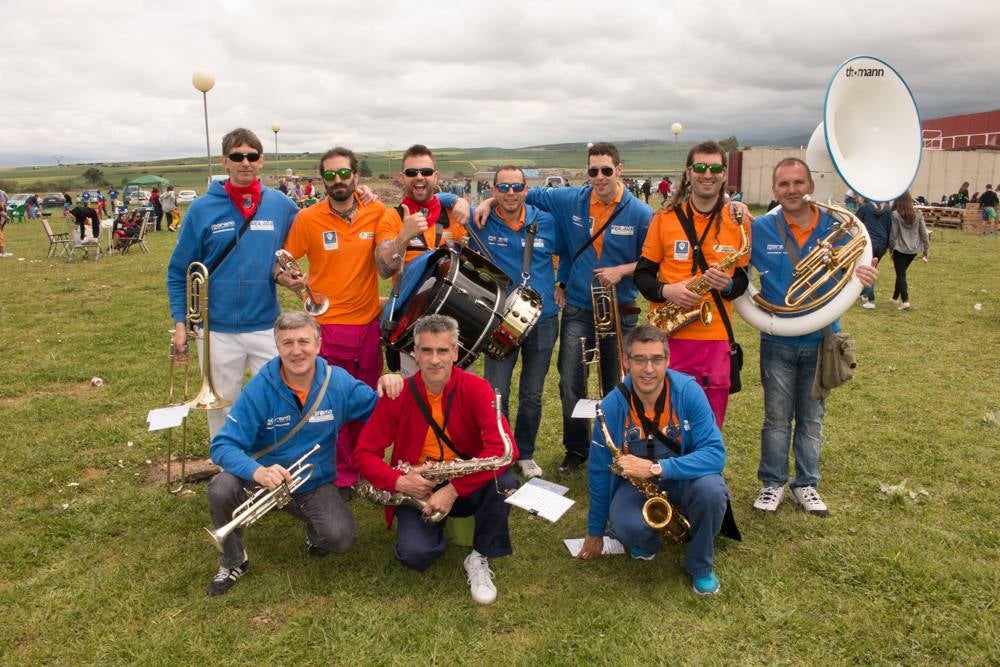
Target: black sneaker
x=314 y=550
x=571 y=463
x=227 y=577
x=346 y=493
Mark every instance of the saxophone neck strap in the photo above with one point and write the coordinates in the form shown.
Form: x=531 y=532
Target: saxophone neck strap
x=302 y=421
x=699 y=261
x=651 y=426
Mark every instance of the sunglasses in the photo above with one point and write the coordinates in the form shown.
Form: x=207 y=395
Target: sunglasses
x=344 y=174
x=701 y=168
x=641 y=359
x=507 y=187
x=239 y=157
x=423 y=171
x=607 y=171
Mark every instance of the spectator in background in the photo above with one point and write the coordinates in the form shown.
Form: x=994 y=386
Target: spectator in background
x=67 y=202
x=989 y=201
x=3 y=223
x=168 y=202
x=962 y=196
x=646 y=189
x=664 y=188
x=154 y=201
x=907 y=237
x=31 y=206
x=877 y=218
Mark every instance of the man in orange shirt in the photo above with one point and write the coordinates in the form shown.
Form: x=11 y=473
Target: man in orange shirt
x=687 y=238
x=337 y=234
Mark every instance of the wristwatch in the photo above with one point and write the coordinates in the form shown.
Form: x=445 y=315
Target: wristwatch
x=656 y=469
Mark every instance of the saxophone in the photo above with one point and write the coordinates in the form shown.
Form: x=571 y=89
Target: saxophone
x=439 y=471
x=670 y=318
x=658 y=513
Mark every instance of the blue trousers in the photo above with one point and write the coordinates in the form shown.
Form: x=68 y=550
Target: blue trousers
x=703 y=502
x=419 y=544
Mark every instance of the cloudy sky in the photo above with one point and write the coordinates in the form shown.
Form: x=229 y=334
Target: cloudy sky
x=108 y=81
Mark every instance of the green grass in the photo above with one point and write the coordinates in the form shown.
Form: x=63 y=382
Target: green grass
x=98 y=568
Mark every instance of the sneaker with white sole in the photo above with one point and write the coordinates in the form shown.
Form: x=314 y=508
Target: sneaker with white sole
x=809 y=499
x=769 y=498
x=870 y=305
x=477 y=570
x=706 y=585
x=905 y=305
x=639 y=553
x=227 y=577
x=529 y=468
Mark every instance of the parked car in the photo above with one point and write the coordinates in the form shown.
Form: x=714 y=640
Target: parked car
x=185 y=196
x=17 y=200
x=137 y=197
x=555 y=182
x=53 y=200
x=91 y=196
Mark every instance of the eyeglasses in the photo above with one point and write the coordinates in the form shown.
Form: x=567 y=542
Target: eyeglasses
x=607 y=171
x=642 y=360
x=702 y=167
x=239 y=157
x=507 y=187
x=344 y=174
x=423 y=171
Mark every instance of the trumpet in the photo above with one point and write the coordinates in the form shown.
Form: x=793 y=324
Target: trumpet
x=607 y=323
x=658 y=512
x=314 y=303
x=265 y=500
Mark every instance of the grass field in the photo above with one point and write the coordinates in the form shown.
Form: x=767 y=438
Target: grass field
x=98 y=567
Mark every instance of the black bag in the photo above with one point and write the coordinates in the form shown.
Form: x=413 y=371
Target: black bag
x=735 y=366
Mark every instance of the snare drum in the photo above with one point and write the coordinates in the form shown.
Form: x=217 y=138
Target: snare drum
x=454 y=283
x=521 y=312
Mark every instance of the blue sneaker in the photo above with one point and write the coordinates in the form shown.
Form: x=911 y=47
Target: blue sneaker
x=707 y=585
x=641 y=554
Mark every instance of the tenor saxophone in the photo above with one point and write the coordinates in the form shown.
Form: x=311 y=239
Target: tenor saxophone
x=439 y=471
x=658 y=512
x=670 y=318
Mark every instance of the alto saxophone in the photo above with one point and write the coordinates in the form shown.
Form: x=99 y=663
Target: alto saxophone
x=437 y=472
x=658 y=512
x=670 y=318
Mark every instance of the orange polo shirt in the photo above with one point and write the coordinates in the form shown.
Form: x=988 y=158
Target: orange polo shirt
x=341 y=259
x=516 y=224
x=433 y=450
x=668 y=245
x=802 y=235
x=391 y=224
x=599 y=214
x=667 y=417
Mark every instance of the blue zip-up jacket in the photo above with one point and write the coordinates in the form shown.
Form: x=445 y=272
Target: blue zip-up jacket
x=242 y=295
x=622 y=243
x=507 y=249
x=769 y=256
x=878 y=224
x=268 y=409
x=702 y=450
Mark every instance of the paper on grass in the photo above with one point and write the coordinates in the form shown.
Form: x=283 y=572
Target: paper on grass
x=168 y=417
x=558 y=489
x=540 y=501
x=612 y=547
x=585 y=408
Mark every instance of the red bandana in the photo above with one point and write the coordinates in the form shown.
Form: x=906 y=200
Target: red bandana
x=432 y=205
x=245 y=198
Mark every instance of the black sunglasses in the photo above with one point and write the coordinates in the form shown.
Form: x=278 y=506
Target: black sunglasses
x=701 y=168
x=607 y=171
x=239 y=157
x=507 y=187
x=344 y=174
x=423 y=171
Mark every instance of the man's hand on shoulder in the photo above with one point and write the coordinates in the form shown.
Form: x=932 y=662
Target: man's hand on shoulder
x=390 y=385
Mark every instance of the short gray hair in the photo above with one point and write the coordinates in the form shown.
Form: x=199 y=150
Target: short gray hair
x=295 y=319
x=436 y=324
x=646 y=333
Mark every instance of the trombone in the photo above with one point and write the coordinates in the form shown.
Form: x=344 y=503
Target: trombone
x=207 y=398
x=314 y=303
x=607 y=323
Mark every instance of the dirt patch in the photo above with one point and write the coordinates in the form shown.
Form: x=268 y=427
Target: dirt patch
x=265 y=622
x=89 y=474
x=69 y=389
x=195 y=470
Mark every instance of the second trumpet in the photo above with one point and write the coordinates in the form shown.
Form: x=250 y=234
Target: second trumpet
x=314 y=303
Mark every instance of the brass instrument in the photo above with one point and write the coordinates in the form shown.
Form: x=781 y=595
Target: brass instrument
x=313 y=303
x=607 y=323
x=821 y=265
x=196 y=313
x=670 y=318
x=658 y=513
x=265 y=500
x=440 y=471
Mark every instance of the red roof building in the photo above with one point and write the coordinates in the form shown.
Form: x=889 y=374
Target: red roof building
x=964 y=132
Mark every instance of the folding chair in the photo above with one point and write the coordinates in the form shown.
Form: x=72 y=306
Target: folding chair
x=84 y=244
x=124 y=244
x=57 y=242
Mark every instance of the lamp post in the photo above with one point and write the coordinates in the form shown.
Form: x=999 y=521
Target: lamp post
x=277 y=171
x=204 y=82
x=676 y=129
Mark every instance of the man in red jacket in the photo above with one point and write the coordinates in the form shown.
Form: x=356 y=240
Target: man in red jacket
x=465 y=426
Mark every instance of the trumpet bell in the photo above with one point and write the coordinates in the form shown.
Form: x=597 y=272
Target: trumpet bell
x=208 y=399
x=317 y=304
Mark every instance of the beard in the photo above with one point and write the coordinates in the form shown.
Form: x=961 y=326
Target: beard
x=341 y=192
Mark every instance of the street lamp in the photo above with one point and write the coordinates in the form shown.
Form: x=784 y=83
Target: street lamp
x=277 y=172
x=204 y=82
x=676 y=129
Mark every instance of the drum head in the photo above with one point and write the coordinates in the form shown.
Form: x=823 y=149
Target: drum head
x=486 y=269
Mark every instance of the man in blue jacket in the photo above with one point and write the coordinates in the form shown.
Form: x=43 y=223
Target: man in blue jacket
x=234 y=229
x=296 y=401
x=877 y=218
x=684 y=456
x=602 y=228
x=503 y=240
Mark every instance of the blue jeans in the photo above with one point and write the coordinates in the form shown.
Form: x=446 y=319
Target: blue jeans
x=703 y=502
x=869 y=292
x=536 y=354
x=576 y=324
x=787 y=373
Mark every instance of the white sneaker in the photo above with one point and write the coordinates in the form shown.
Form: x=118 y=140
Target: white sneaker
x=896 y=300
x=529 y=468
x=870 y=305
x=808 y=497
x=477 y=569
x=769 y=498
x=905 y=305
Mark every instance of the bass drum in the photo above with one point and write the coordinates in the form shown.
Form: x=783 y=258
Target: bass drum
x=521 y=312
x=460 y=284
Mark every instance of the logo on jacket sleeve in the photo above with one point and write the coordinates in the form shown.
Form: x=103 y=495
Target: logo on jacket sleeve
x=262 y=225
x=682 y=250
x=330 y=241
x=278 y=422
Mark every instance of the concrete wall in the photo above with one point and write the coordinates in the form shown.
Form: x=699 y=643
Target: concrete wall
x=941 y=172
